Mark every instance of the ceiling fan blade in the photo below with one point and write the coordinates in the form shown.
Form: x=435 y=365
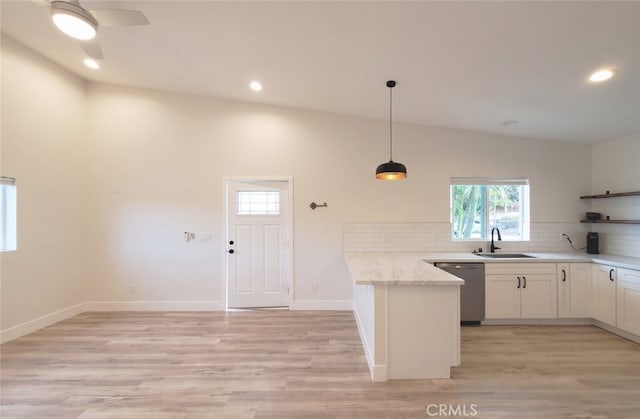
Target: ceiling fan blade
x=119 y=17
x=92 y=49
x=46 y=3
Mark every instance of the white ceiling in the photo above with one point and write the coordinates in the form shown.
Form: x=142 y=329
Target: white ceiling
x=469 y=65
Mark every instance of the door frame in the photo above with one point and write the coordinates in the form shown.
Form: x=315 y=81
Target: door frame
x=288 y=219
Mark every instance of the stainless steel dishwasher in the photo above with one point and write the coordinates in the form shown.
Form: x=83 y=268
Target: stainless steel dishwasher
x=471 y=293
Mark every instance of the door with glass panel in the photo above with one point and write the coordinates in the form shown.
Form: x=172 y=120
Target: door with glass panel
x=258 y=238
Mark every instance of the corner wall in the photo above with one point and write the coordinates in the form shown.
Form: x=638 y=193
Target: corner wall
x=44 y=148
x=616 y=168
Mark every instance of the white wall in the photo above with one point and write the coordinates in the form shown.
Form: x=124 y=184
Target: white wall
x=616 y=168
x=615 y=164
x=44 y=148
x=157 y=161
x=110 y=177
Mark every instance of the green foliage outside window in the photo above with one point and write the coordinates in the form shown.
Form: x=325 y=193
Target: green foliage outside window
x=476 y=209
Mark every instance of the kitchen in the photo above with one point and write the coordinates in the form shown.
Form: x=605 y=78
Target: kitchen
x=111 y=200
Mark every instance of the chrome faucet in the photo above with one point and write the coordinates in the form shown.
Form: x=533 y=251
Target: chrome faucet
x=493 y=246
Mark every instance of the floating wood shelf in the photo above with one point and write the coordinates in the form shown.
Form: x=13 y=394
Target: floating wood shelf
x=611 y=195
x=612 y=221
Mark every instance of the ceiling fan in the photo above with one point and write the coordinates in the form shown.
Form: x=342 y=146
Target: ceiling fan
x=81 y=23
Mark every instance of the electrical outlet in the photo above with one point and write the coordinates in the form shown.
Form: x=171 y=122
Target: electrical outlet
x=314 y=287
x=132 y=289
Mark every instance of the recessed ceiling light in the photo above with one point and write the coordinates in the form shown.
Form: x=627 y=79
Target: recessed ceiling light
x=601 y=75
x=255 y=86
x=91 y=63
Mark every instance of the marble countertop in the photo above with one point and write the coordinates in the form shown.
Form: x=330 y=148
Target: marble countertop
x=397 y=269
x=537 y=257
x=618 y=261
x=369 y=268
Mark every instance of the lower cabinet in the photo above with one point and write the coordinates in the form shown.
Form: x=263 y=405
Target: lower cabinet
x=565 y=290
x=574 y=290
x=628 y=300
x=603 y=294
x=520 y=290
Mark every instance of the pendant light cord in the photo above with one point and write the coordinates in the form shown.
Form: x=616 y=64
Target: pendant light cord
x=390 y=123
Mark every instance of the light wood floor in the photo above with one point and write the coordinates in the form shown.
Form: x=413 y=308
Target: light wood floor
x=282 y=364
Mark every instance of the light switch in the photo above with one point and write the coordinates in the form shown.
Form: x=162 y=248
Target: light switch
x=204 y=236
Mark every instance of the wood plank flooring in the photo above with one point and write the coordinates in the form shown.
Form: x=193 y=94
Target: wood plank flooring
x=293 y=364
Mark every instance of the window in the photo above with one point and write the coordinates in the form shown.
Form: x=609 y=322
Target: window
x=8 y=214
x=480 y=204
x=258 y=202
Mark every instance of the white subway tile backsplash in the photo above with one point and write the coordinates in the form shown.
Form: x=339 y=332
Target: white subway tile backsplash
x=619 y=239
x=623 y=240
x=436 y=237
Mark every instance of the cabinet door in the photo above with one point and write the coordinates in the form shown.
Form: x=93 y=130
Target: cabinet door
x=604 y=294
x=538 y=297
x=628 y=289
x=564 y=290
x=580 y=290
x=502 y=297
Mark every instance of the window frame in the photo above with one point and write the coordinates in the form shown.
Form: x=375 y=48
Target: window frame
x=8 y=214
x=246 y=209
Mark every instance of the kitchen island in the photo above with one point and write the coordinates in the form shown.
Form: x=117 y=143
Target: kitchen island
x=408 y=315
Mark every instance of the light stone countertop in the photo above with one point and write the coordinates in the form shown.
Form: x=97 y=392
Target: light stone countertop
x=415 y=268
x=381 y=268
x=618 y=261
x=537 y=257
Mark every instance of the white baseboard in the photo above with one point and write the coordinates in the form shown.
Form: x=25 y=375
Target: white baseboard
x=378 y=372
x=322 y=305
x=34 y=325
x=204 y=305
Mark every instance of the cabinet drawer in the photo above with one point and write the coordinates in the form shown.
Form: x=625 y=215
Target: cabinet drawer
x=628 y=275
x=531 y=268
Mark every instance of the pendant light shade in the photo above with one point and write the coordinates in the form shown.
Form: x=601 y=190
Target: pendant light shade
x=391 y=170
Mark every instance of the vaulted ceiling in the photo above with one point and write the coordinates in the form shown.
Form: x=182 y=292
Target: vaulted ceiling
x=469 y=65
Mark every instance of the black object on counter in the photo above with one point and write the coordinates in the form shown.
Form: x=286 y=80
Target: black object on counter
x=593 y=246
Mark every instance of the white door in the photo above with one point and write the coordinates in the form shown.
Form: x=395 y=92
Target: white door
x=538 y=297
x=629 y=300
x=258 y=236
x=604 y=294
x=580 y=291
x=502 y=297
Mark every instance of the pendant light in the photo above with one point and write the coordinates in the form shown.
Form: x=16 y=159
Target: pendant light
x=391 y=170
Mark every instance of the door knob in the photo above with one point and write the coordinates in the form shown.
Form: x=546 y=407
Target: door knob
x=231 y=242
x=231 y=251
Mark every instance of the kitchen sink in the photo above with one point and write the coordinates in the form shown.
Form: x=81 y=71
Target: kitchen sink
x=504 y=255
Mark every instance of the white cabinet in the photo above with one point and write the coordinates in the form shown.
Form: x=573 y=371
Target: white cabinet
x=628 y=296
x=603 y=294
x=502 y=296
x=574 y=290
x=520 y=290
